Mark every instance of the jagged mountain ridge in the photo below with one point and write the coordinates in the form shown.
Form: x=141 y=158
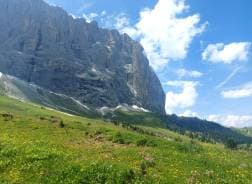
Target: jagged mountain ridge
x=99 y=67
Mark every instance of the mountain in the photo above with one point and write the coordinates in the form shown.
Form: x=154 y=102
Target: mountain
x=18 y=89
x=54 y=60
x=194 y=127
x=43 y=45
x=202 y=130
x=205 y=130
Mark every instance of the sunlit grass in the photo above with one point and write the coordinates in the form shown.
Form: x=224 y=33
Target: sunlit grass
x=36 y=148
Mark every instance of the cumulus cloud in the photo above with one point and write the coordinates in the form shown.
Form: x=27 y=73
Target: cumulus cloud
x=232 y=120
x=221 y=53
x=239 y=92
x=185 y=99
x=188 y=73
x=164 y=33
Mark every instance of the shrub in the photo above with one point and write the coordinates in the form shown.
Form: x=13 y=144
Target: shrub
x=42 y=118
x=151 y=143
x=141 y=142
x=61 y=124
x=115 y=122
x=143 y=168
x=248 y=146
x=128 y=176
x=118 y=138
x=98 y=132
x=7 y=116
x=231 y=144
x=178 y=139
x=54 y=119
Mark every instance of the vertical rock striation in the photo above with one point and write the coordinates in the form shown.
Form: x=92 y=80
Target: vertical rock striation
x=99 y=67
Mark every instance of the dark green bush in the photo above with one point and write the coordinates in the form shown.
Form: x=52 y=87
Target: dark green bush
x=231 y=144
x=7 y=116
x=118 y=138
x=128 y=176
x=98 y=132
x=143 y=168
x=61 y=124
x=142 y=142
x=178 y=139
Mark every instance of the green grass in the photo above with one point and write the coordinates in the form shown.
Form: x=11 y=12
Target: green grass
x=39 y=145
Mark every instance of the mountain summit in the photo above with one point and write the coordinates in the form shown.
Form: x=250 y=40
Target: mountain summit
x=44 y=45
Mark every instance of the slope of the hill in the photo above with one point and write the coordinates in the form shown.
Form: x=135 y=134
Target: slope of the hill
x=196 y=128
x=200 y=129
x=38 y=145
x=246 y=131
x=18 y=89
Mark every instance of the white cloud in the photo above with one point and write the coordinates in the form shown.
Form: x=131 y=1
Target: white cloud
x=188 y=73
x=189 y=113
x=164 y=33
x=121 y=22
x=90 y=17
x=232 y=120
x=221 y=53
x=239 y=92
x=186 y=98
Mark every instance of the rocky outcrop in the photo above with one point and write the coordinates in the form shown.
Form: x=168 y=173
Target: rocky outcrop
x=15 y=88
x=99 y=67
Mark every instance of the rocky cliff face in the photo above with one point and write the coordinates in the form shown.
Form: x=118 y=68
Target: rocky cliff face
x=99 y=67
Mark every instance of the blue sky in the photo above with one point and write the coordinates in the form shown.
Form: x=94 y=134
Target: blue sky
x=201 y=50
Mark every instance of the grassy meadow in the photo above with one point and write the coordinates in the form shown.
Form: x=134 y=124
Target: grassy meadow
x=40 y=145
